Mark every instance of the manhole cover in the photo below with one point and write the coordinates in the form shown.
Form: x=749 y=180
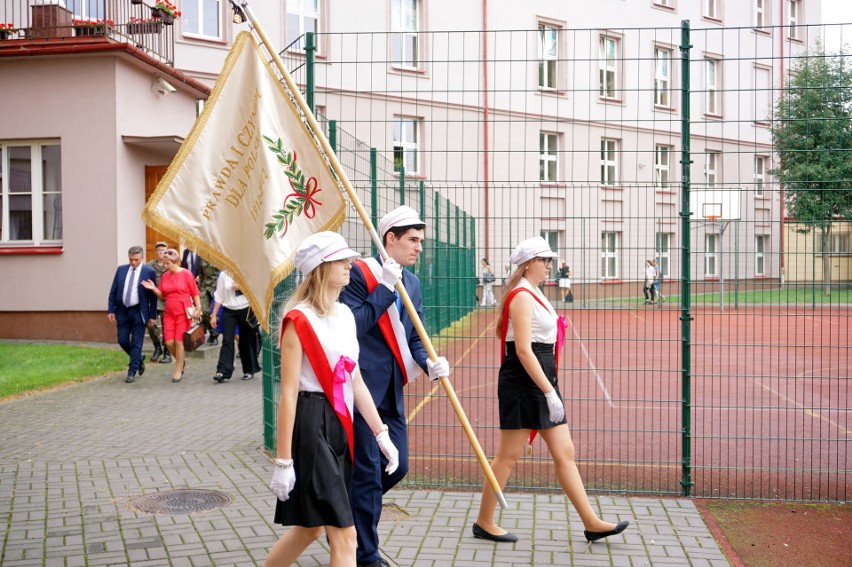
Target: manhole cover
x=184 y=501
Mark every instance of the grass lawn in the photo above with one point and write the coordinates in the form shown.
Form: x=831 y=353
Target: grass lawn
x=26 y=367
x=801 y=296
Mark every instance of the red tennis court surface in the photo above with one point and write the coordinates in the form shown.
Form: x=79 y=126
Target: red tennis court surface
x=767 y=406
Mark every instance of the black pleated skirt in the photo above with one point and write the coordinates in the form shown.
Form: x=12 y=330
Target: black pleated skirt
x=522 y=403
x=323 y=468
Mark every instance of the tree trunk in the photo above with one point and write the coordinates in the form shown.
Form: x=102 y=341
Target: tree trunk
x=826 y=261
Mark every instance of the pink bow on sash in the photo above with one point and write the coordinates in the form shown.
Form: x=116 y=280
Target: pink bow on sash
x=344 y=366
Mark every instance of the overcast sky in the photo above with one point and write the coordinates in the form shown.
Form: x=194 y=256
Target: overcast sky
x=837 y=12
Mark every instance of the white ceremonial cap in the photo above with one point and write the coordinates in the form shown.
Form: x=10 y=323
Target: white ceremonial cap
x=321 y=247
x=400 y=216
x=536 y=247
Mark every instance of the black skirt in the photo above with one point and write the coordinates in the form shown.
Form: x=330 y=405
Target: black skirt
x=522 y=403
x=323 y=468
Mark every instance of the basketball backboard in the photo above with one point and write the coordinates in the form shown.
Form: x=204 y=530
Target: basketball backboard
x=715 y=204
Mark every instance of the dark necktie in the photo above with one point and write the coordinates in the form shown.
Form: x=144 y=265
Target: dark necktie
x=129 y=288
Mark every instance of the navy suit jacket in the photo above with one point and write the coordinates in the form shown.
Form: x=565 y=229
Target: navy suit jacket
x=147 y=299
x=195 y=268
x=378 y=366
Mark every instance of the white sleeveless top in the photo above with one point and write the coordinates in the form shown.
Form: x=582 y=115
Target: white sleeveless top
x=543 y=320
x=336 y=332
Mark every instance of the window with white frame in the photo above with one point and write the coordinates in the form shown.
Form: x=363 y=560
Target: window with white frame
x=711 y=252
x=662 y=166
x=548 y=55
x=608 y=76
x=405 y=26
x=711 y=9
x=609 y=161
x=762 y=96
x=664 y=244
x=202 y=17
x=548 y=156
x=30 y=193
x=711 y=169
x=711 y=86
x=552 y=237
x=662 y=76
x=303 y=16
x=405 y=144
x=666 y=3
x=83 y=9
x=833 y=243
x=609 y=255
x=793 y=19
x=759 y=176
x=760 y=242
x=758 y=11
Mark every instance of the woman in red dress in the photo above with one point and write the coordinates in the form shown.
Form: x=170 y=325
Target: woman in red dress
x=178 y=288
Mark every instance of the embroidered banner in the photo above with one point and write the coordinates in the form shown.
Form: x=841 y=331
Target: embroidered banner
x=250 y=182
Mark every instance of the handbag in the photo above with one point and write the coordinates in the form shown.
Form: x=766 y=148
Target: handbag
x=193 y=337
x=488 y=277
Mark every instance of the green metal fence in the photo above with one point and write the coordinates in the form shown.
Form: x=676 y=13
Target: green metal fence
x=620 y=146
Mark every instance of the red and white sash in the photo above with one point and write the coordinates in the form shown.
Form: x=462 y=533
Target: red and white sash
x=390 y=324
x=561 y=325
x=335 y=376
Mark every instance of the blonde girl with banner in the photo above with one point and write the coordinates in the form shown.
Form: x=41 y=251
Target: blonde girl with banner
x=320 y=383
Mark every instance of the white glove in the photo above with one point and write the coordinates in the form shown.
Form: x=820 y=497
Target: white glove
x=389 y=450
x=283 y=480
x=555 y=405
x=391 y=272
x=438 y=367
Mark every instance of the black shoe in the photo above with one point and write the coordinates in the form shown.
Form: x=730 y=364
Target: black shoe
x=213 y=340
x=141 y=370
x=129 y=379
x=380 y=562
x=595 y=536
x=167 y=357
x=507 y=537
x=158 y=352
x=248 y=376
x=219 y=377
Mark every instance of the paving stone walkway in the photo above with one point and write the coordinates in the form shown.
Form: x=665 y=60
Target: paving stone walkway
x=72 y=460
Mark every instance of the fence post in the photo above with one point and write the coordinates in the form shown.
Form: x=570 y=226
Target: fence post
x=685 y=317
x=332 y=134
x=402 y=185
x=310 y=84
x=374 y=194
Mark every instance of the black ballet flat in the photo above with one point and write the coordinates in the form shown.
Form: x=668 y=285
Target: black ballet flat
x=595 y=536
x=507 y=537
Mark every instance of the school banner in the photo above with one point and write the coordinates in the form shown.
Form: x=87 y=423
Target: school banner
x=249 y=183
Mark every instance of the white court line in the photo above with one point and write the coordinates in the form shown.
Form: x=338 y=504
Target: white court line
x=597 y=374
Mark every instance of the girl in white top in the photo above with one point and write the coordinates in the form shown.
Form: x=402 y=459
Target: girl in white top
x=320 y=381
x=528 y=393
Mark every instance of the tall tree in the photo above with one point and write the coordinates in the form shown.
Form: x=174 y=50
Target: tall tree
x=812 y=133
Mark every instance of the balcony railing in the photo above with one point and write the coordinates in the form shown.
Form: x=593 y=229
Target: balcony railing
x=135 y=22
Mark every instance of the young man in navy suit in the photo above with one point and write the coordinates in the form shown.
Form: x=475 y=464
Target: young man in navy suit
x=391 y=355
x=132 y=308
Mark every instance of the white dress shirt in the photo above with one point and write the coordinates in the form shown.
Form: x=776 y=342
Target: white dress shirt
x=226 y=295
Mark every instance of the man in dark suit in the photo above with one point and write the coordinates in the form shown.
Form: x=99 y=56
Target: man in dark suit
x=132 y=308
x=192 y=262
x=392 y=354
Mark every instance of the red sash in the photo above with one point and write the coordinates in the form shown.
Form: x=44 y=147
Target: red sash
x=385 y=325
x=321 y=367
x=504 y=328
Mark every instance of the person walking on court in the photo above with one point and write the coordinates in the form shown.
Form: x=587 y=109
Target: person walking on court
x=320 y=379
x=650 y=274
x=528 y=393
x=236 y=314
x=392 y=354
x=131 y=307
x=564 y=280
x=658 y=282
x=178 y=289
x=487 y=278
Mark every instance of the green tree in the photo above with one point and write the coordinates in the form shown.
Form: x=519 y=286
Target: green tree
x=812 y=134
